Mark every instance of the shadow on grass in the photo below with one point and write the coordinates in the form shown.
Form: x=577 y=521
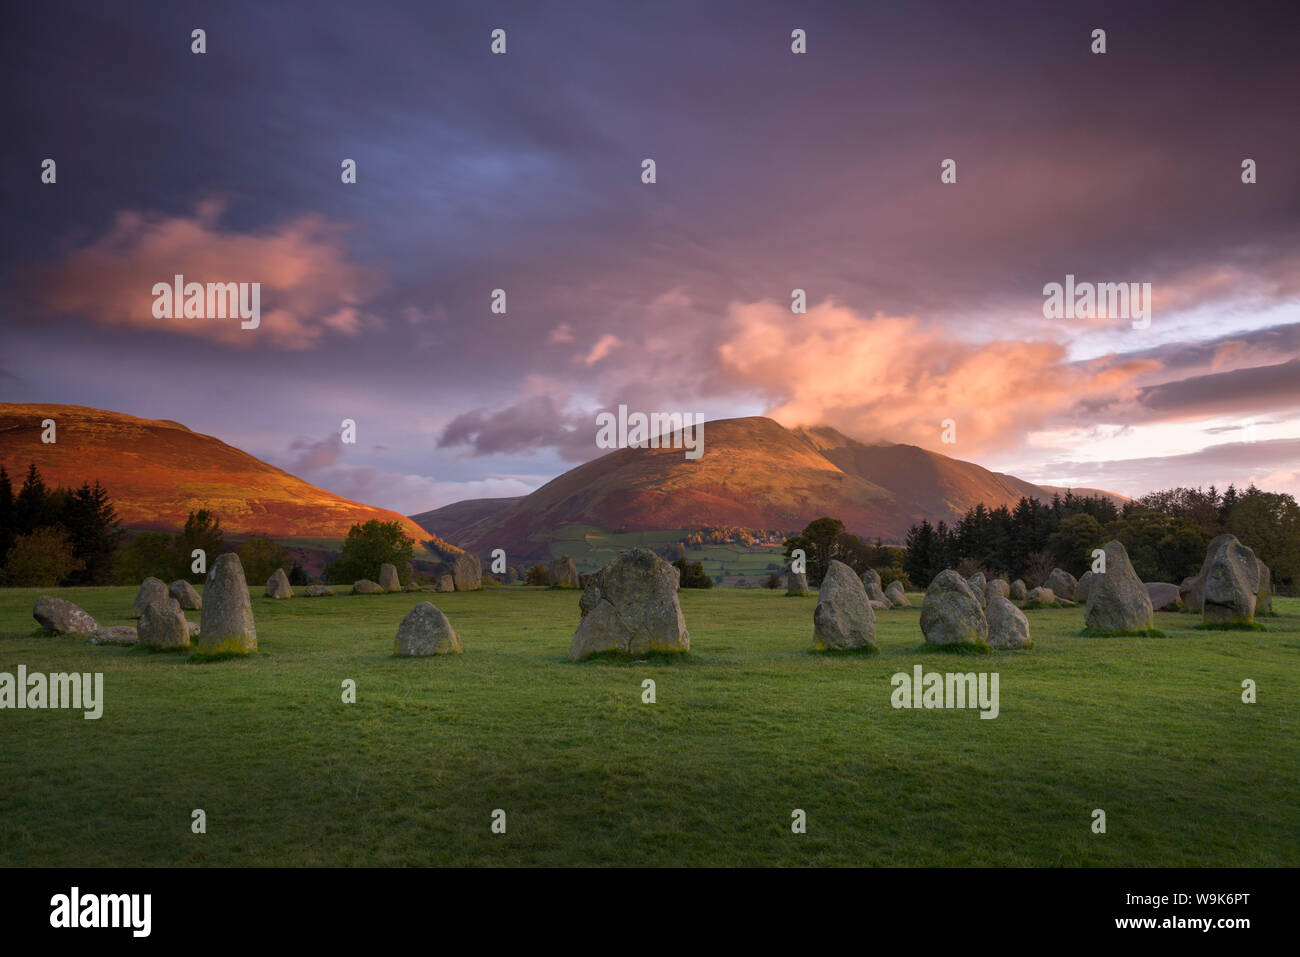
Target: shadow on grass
x=866 y=651
x=960 y=649
x=616 y=657
x=1229 y=626
x=1127 y=633
x=198 y=658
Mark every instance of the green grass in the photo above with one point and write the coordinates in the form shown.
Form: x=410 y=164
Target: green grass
x=745 y=730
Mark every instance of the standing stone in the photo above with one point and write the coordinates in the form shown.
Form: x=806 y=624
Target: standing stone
x=1264 y=597
x=151 y=589
x=844 y=617
x=951 y=614
x=226 y=625
x=1043 y=595
x=631 y=606
x=411 y=586
x=996 y=586
x=897 y=597
x=1084 y=586
x=186 y=594
x=871 y=582
x=277 y=586
x=445 y=583
x=1163 y=595
x=978 y=584
x=1117 y=599
x=1018 y=590
x=563 y=572
x=467 y=572
x=1231 y=585
x=318 y=591
x=62 y=616
x=388 y=579
x=1192 y=590
x=163 y=625
x=426 y=631
x=1008 y=626
x=796 y=583
x=366 y=587
x=1062 y=584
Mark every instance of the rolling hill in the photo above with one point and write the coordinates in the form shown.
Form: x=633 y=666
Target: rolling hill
x=156 y=471
x=754 y=473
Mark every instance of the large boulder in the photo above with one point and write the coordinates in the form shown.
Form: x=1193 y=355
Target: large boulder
x=977 y=584
x=1084 y=586
x=1042 y=594
x=1264 y=597
x=426 y=631
x=318 y=591
x=996 y=586
x=185 y=594
x=388 y=579
x=1192 y=590
x=1018 y=591
x=951 y=614
x=277 y=586
x=1062 y=584
x=467 y=572
x=366 y=587
x=563 y=572
x=226 y=624
x=163 y=625
x=1163 y=595
x=796 y=583
x=630 y=606
x=115 y=635
x=896 y=595
x=1117 y=599
x=62 y=616
x=844 y=617
x=871 y=582
x=1008 y=626
x=151 y=589
x=1231 y=584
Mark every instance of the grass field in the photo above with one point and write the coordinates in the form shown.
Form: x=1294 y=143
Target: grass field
x=592 y=548
x=752 y=726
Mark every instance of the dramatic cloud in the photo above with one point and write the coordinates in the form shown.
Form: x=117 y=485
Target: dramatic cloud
x=308 y=288
x=537 y=422
x=896 y=378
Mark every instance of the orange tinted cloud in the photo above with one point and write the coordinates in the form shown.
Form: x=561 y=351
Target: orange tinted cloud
x=308 y=286
x=895 y=378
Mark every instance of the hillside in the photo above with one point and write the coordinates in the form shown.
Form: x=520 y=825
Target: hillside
x=754 y=473
x=157 y=471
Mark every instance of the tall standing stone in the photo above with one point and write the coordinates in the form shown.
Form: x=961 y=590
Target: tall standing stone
x=563 y=572
x=388 y=579
x=1264 y=597
x=871 y=582
x=1008 y=626
x=951 y=614
x=426 y=631
x=226 y=625
x=630 y=606
x=796 y=583
x=1084 y=586
x=467 y=572
x=1231 y=585
x=277 y=586
x=151 y=589
x=163 y=625
x=1018 y=590
x=185 y=593
x=1192 y=590
x=844 y=618
x=1117 y=599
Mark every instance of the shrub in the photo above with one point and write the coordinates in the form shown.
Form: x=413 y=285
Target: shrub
x=43 y=558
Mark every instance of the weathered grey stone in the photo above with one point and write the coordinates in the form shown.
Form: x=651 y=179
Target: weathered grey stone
x=277 y=586
x=1042 y=594
x=388 y=579
x=1018 y=591
x=467 y=572
x=1117 y=599
x=879 y=605
x=1231 y=585
x=318 y=591
x=563 y=572
x=871 y=582
x=951 y=614
x=631 y=606
x=977 y=583
x=151 y=589
x=1008 y=626
x=426 y=631
x=1163 y=595
x=996 y=586
x=897 y=597
x=226 y=625
x=62 y=616
x=1084 y=586
x=411 y=586
x=163 y=625
x=186 y=594
x=115 y=635
x=1062 y=584
x=796 y=583
x=1192 y=590
x=1264 y=597
x=845 y=616
x=366 y=587
x=446 y=583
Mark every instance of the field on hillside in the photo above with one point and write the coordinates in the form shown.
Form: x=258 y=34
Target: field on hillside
x=749 y=728
x=592 y=548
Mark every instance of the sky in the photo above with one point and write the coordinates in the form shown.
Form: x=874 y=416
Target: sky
x=774 y=171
